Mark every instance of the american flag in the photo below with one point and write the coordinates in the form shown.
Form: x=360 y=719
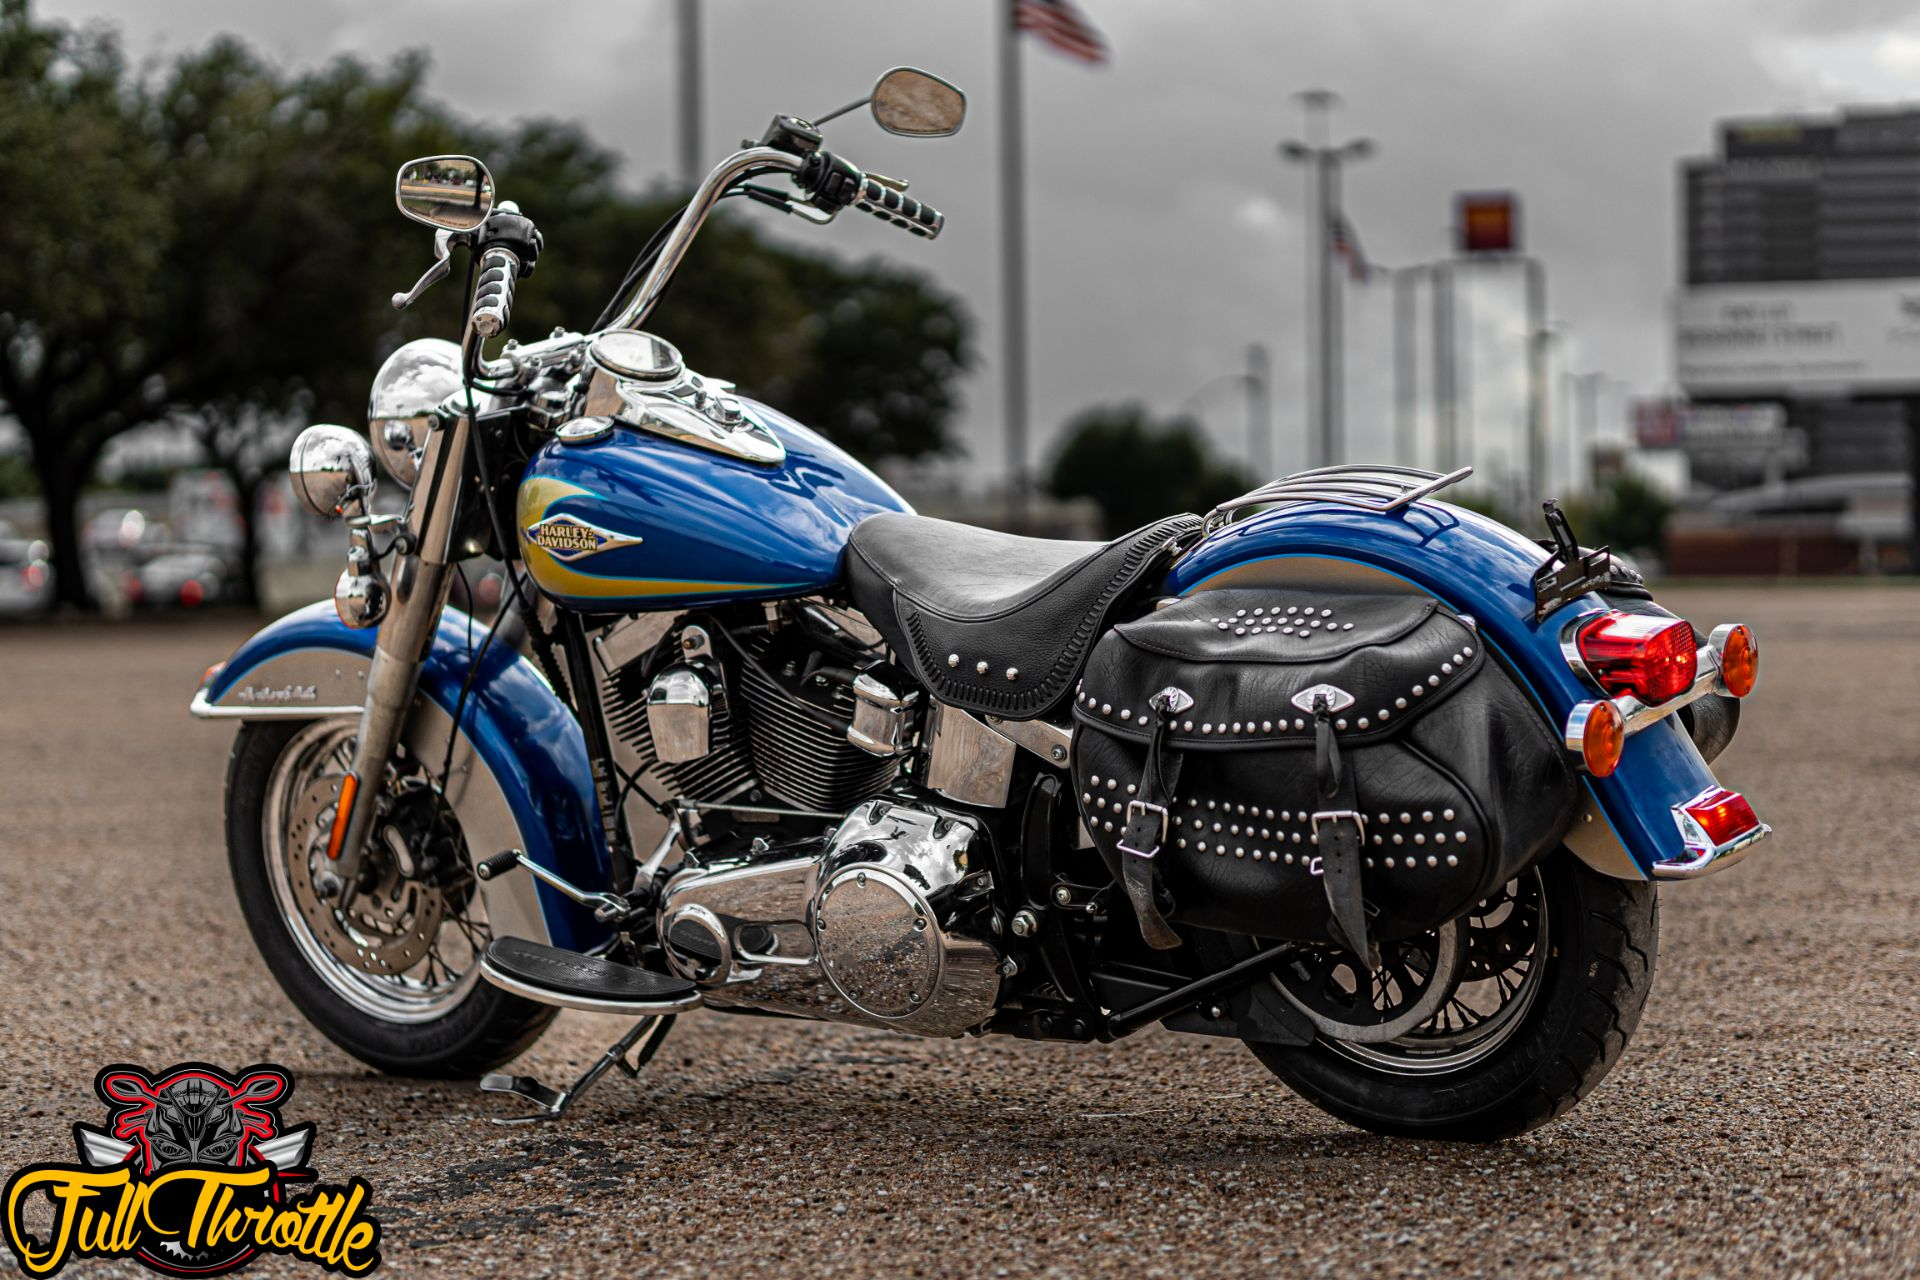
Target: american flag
x=1063 y=28
x=1344 y=244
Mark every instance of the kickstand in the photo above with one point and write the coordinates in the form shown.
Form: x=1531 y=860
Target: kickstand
x=553 y=1103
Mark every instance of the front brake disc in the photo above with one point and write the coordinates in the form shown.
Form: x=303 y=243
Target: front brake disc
x=390 y=925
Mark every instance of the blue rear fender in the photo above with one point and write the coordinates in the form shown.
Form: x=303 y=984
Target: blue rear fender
x=527 y=739
x=1479 y=567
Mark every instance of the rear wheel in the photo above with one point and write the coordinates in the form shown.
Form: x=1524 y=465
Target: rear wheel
x=1553 y=970
x=394 y=979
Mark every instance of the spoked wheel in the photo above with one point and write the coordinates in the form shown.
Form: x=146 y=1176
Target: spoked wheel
x=394 y=977
x=1552 y=971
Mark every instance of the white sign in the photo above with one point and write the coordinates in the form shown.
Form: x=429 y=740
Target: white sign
x=1833 y=337
x=1732 y=426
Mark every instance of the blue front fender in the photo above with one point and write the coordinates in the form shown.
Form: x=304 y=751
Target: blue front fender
x=525 y=736
x=1479 y=567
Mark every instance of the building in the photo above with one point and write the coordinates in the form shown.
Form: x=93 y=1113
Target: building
x=1800 y=287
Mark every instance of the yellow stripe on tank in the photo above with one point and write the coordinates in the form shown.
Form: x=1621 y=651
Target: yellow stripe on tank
x=536 y=499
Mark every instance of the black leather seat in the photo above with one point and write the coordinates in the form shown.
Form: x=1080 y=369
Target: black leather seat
x=993 y=622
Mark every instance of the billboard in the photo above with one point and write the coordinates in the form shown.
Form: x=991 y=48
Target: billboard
x=1838 y=337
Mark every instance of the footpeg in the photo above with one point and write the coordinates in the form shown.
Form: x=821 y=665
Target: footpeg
x=551 y=1103
x=570 y=980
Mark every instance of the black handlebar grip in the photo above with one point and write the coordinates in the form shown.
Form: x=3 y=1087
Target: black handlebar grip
x=885 y=203
x=493 y=294
x=498 y=864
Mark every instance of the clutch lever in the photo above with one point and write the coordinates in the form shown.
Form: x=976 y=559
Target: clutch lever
x=443 y=262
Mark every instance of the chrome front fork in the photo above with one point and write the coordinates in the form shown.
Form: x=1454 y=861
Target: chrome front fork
x=420 y=582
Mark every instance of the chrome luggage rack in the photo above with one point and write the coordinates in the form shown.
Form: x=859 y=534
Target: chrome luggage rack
x=1371 y=487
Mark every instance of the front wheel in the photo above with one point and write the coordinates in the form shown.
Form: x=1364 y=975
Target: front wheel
x=1553 y=971
x=394 y=979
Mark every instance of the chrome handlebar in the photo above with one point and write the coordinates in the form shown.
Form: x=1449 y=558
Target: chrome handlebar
x=741 y=164
x=522 y=363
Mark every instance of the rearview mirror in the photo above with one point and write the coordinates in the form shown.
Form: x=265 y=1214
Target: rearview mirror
x=451 y=192
x=917 y=104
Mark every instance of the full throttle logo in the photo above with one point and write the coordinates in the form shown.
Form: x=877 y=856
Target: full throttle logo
x=193 y=1175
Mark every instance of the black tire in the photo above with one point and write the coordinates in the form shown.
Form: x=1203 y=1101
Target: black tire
x=1601 y=937
x=488 y=1027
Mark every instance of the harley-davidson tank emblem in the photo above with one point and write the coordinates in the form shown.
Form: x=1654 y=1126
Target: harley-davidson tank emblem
x=570 y=538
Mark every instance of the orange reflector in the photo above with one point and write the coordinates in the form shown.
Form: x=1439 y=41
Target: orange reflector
x=1740 y=660
x=1602 y=736
x=343 y=810
x=211 y=672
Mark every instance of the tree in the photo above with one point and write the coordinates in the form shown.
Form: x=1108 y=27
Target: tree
x=220 y=242
x=1139 y=469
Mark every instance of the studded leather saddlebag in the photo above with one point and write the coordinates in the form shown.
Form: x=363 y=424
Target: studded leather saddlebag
x=1297 y=764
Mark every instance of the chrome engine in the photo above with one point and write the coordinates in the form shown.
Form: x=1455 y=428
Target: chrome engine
x=765 y=722
x=887 y=922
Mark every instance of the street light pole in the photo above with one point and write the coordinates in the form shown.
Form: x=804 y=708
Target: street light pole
x=1325 y=161
x=1259 y=412
x=688 y=21
x=1538 y=336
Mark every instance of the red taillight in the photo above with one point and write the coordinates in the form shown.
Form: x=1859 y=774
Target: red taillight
x=1724 y=815
x=1652 y=658
x=33 y=575
x=192 y=594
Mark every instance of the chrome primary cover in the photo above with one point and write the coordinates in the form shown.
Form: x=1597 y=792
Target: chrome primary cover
x=406 y=391
x=874 y=929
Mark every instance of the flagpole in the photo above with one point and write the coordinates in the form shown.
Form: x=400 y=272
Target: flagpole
x=1013 y=263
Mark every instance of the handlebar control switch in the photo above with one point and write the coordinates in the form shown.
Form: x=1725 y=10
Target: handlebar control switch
x=832 y=183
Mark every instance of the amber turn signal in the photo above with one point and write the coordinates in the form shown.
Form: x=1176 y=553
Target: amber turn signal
x=1598 y=732
x=1739 y=658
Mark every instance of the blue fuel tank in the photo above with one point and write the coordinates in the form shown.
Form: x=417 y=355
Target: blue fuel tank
x=633 y=521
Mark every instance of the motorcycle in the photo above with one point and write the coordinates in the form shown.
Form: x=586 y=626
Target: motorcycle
x=1373 y=784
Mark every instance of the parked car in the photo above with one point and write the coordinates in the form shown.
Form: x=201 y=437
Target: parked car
x=26 y=579
x=184 y=577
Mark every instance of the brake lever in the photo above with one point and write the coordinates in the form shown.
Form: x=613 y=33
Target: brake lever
x=443 y=254
x=786 y=204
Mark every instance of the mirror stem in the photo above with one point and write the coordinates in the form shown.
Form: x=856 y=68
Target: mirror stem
x=835 y=115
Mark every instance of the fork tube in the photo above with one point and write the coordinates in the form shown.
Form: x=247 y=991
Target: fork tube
x=420 y=581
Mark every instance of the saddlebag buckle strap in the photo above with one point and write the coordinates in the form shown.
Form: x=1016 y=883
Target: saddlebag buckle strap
x=1141 y=838
x=1341 y=862
x=1147 y=823
x=1336 y=815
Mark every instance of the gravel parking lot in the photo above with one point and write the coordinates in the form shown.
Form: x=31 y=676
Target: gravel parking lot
x=1762 y=1123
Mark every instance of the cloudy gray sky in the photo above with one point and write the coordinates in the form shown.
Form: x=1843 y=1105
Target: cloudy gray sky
x=1165 y=232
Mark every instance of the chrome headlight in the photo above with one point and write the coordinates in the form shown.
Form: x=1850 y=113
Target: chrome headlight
x=408 y=388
